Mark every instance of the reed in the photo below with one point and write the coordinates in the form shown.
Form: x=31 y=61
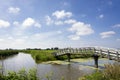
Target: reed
x=6 y=53
x=41 y=55
x=111 y=72
x=20 y=75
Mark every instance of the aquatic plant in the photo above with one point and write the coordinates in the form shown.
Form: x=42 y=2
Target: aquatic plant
x=111 y=72
x=20 y=75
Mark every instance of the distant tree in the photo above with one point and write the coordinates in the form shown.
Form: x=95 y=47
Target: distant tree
x=27 y=48
x=52 y=48
x=56 y=48
x=47 y=48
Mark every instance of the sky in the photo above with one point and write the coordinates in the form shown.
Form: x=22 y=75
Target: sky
x=59 y=23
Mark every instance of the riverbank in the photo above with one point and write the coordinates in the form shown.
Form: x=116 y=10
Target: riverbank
x=80 y=61
x=7 y=53
x=60 y=68
x=41 y=55
x=47 y=55
x=111 y=72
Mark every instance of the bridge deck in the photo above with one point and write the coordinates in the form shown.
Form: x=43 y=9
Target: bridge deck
x=109 y=53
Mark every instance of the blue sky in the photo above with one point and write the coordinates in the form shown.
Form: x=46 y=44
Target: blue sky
x=59 y=23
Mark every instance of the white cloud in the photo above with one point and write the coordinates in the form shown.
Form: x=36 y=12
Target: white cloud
x=16 y=23
x=10 y=38
x=4 y=24
x=70 y=21
x=117 y=25
x=101 y=16
x=107 y=34
x=14 y=10
x=48 y=20
x=62 y=14
x=37 y=25
x=74 y=37
x=81 y=29
x=1 y=40
x=19 y=41
x=58 y=23
x=28 y=22
x=44 y=35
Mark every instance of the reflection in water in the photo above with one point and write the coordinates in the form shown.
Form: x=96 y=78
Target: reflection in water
x=17 y=62
x=69 y=71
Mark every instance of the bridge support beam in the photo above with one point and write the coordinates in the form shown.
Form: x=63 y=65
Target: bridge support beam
x=68 y=55
x=95 y=56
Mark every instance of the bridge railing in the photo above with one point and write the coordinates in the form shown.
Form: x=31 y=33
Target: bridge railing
x=104 y=52
x=109 y=53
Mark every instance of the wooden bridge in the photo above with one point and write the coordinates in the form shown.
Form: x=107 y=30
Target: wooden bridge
x=112 y=54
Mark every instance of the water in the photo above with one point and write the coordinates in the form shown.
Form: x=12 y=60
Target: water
x=17 y=62
x=69 y=71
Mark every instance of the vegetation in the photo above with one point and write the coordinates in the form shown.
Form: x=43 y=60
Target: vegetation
x=5 y=53
x=46 y=55
x=111 y=72
x=41 y=55
x=21 y=75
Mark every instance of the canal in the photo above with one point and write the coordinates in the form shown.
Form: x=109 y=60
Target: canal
x=71 y=71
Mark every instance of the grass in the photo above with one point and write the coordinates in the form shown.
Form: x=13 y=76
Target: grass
x=111 y=72
x=21 y=75
x=46 y=55
x=6 y=53
x=41 y=55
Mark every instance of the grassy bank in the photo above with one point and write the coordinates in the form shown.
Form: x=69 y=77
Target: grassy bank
x=21 y=75
x=111 y=72
x=46 y=55
x=6 y=53
x=41 y=55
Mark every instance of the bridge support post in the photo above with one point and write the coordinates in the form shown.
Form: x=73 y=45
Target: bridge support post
x=95 y=56
x=117 y=56
x=109 y=57
x=68 y=55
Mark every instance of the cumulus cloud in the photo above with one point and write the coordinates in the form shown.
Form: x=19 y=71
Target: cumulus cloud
x=74 y=37
x=101 y=16
x=37 y=25
x=48 y=20
x=58 y=23
x=28 y=22
x=14 y=10
x=62 y=14
x=16 y=23
x=4 y=24
x=70 y=21
x=81 y=29
x=107 y=34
